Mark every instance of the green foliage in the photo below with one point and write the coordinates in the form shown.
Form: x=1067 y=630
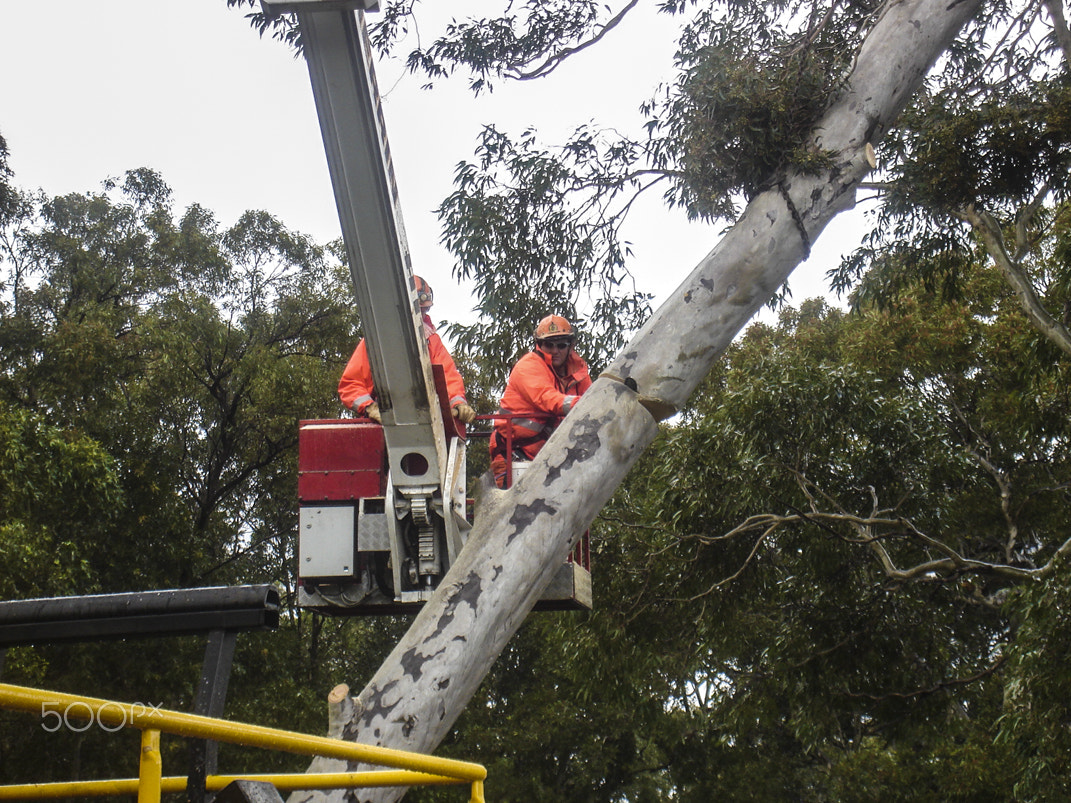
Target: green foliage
x=7 y=192
x=990 y=134
x=995 y=153
x=528 y=40
x=153 y=371
x=747 y=533
x=748 y=95
x=521 y=43
x=188 y=351
x=1034 y=725
x=521 y=234
x=60 y=496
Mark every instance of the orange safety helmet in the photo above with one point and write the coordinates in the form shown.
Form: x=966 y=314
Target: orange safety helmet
x=554 y=326
x=425 y=295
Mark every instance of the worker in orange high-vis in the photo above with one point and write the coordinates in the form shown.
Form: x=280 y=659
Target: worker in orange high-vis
x=355 y=387
x=542 y=388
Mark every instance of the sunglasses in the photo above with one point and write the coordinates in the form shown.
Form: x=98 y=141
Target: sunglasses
x=558 y=345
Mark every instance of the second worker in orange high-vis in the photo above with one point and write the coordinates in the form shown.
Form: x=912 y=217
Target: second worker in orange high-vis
x=355 y=387
x=542 y=388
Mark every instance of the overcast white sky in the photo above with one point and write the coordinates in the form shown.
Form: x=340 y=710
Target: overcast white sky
x=91 y=88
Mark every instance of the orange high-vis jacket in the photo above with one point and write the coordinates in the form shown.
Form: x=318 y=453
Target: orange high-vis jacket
x=355 y=387
x=535 y=390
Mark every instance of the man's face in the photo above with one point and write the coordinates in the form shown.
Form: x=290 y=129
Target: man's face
x=558 y=349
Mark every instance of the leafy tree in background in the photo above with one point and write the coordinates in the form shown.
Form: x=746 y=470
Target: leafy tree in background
x=750 y=640
x=980 y=167
x=845 y=511
x=187 y=351
x=153 y=371
x=49 y=547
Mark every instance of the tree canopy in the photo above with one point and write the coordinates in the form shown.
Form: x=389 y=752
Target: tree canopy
x=153 y=366
x=838 y=574
x=978 y=160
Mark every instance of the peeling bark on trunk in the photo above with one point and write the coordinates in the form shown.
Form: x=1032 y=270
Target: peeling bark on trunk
x=522 y=535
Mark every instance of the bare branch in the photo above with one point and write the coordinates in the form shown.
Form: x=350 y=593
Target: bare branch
x=873 y=532
x=1059 y=26
x=937 y=687
x=1004 y=486
x=1023 y=243
x=987 y=228
x=554 y=61
x=740 y=571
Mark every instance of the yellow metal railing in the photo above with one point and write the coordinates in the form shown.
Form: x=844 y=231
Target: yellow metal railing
x=409 y=769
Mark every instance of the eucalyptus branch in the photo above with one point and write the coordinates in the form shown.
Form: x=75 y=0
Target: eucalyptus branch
x=875 y=506
x=1063 y=551
x=1025 y=25
x=1023 y=244
x=613 y=221
x=998 y=48
x=987 y=228
x=764 y=521
x=1059 y=27
x=554 y=61
x=807 y=39
x=937 y=687
x=873 y=531
x=967 y=423
x=743 y=566
x=1004 y=487
x=805 y=487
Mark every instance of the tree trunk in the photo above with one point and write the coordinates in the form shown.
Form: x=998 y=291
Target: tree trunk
x=522 y=535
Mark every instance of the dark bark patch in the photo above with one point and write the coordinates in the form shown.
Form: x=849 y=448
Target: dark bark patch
x=445 y=620
x=584 y=434
x=466 y=592
x=375 y=708
x=413 y=662
x=524 y=515
x=708 y=284
x=470 y=590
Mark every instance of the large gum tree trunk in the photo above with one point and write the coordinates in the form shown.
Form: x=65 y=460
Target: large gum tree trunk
x=520 y=536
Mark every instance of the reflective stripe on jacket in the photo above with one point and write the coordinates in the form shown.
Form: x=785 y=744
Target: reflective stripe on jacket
x=355 y=387
x=541 y=398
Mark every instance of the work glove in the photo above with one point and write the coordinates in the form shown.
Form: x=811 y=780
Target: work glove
x=464 y=413
x=372 y=411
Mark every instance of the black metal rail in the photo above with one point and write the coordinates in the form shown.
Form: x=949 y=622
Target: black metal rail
x=142 y=613
x=220 y=612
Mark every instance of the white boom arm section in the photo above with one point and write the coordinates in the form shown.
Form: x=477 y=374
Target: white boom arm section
x=339 y=58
